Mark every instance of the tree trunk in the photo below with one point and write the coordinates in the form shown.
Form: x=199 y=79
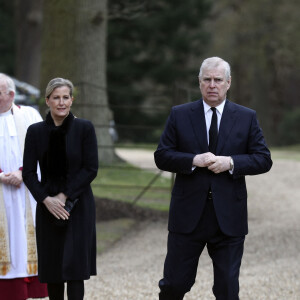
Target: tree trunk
x=28 y=20
x=74 y=47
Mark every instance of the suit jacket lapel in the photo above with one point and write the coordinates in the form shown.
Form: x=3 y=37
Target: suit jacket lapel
x=199 y=126
x=227 y=122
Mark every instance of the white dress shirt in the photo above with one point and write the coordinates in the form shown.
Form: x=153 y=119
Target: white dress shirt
x=208 y=115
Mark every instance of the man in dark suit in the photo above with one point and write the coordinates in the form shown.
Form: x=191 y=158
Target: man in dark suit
x=211 y=144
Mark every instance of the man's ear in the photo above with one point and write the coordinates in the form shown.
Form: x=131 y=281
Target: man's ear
x=11 y=94
x=228 y=83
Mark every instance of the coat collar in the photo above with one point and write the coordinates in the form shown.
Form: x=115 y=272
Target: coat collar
x=198 y=121
x=64 y=126
x=228 y=120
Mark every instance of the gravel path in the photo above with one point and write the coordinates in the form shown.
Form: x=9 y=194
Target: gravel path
x=270 y=270
x=139 y=157
x=271 y=264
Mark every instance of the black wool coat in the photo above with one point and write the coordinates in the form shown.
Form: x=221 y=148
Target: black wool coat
x=64 y=252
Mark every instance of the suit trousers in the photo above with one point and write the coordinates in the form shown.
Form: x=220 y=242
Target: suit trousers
x=183 y=254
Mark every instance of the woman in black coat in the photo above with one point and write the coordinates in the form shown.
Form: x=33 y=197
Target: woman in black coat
x=66 y=149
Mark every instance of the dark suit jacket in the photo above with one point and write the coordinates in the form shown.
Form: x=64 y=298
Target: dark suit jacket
x=185 y=136
x=69 y=252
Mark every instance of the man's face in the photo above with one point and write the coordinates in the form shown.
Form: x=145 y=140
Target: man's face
x=6 y=98
x=214 y=86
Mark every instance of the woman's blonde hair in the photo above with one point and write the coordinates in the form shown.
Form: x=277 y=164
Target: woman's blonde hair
x=58 y=82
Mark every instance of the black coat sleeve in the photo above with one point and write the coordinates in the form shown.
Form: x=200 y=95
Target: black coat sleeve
x=80 y=179
x=30 y=163
x=168 y=156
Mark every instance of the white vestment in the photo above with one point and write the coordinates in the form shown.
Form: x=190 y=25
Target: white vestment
x=11 y=159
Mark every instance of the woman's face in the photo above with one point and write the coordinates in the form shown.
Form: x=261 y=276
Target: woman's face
x=60 y=103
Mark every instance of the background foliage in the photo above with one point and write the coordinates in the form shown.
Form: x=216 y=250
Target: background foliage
x=149 y=51
x=155 y=48
x=7 y=41
x=259 y=39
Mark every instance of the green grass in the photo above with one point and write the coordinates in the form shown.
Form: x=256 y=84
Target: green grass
x=124 y=182
x=109 y=232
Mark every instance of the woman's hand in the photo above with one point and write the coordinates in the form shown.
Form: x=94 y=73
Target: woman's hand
x=55 y=205
x=62 y=197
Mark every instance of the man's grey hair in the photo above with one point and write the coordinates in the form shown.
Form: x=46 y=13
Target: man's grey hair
x=11 y=87
x=58 y=82
x=214 y=62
